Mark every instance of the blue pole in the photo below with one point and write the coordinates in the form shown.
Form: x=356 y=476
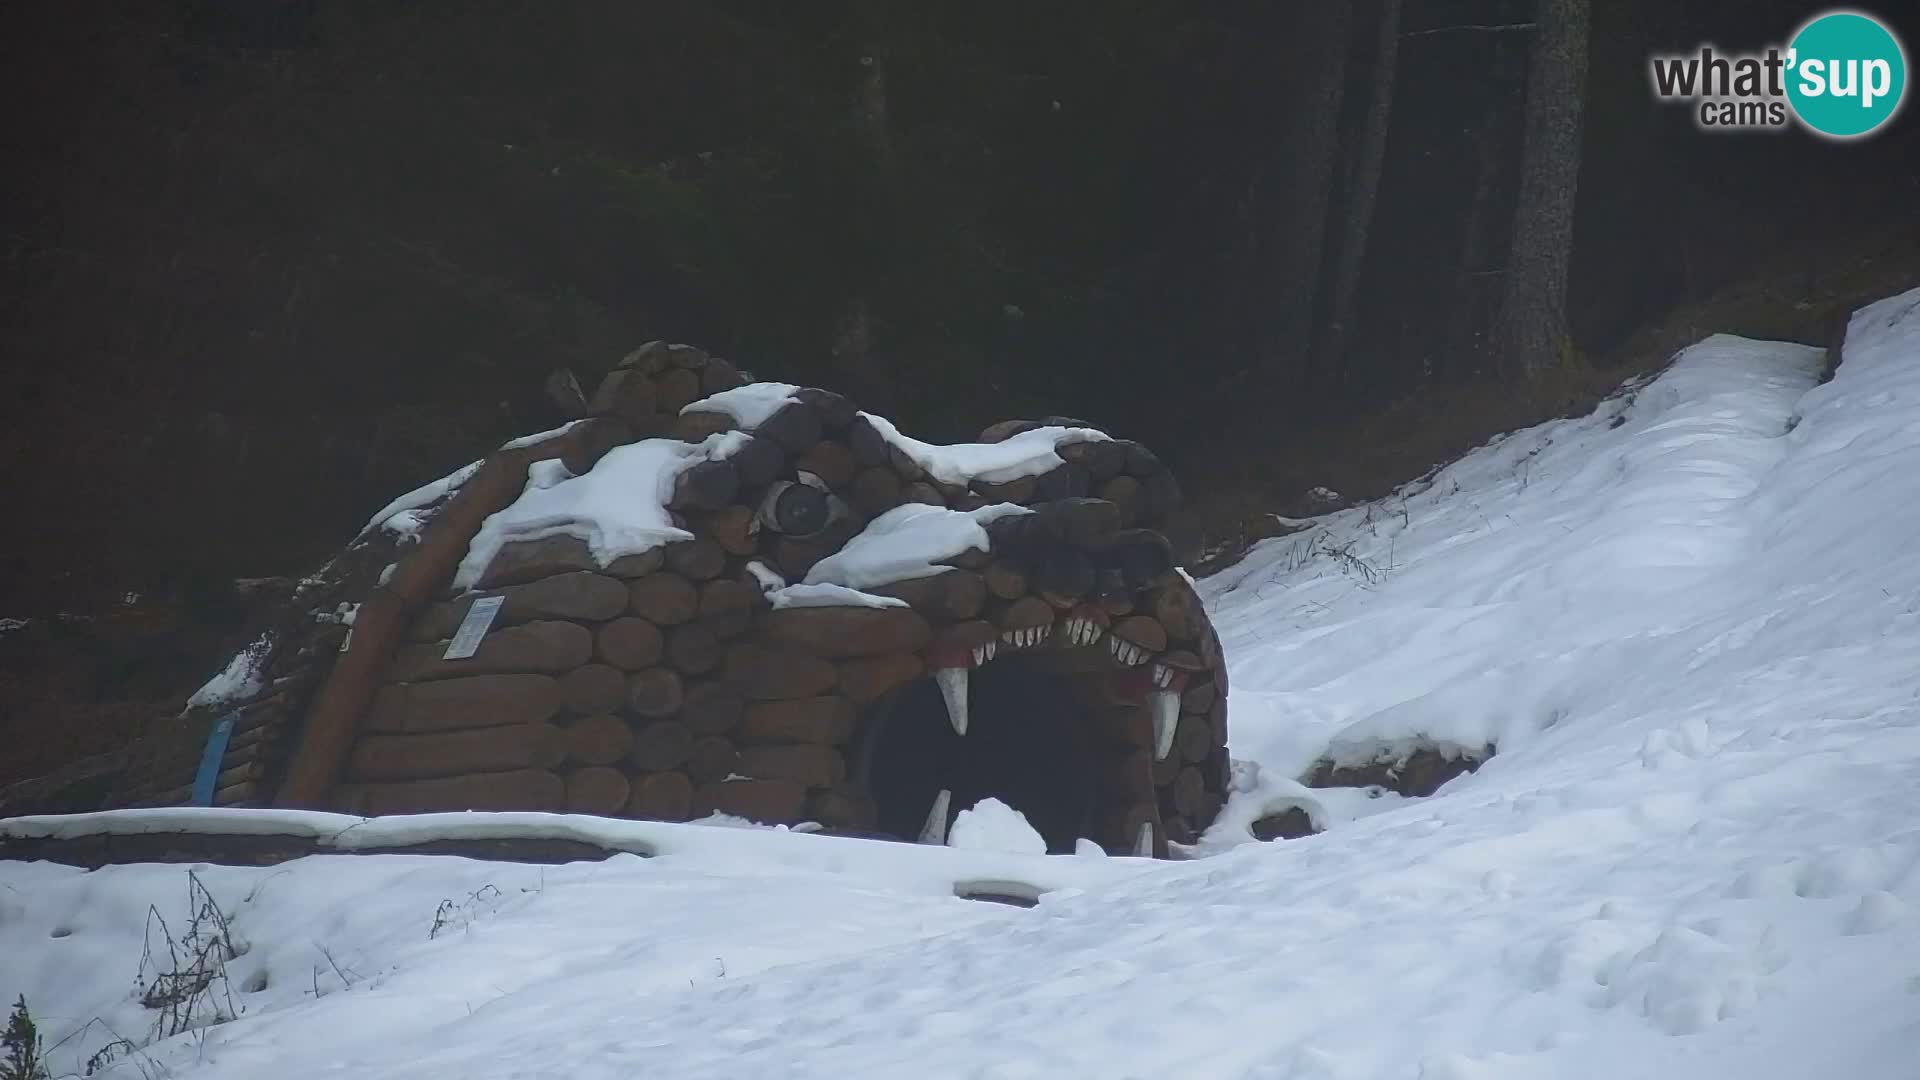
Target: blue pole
x=203 y=780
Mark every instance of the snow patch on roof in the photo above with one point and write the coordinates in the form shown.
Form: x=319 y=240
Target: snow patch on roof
x=821 y=595
x=397 y=515
x=619 y=507
x=906 y=542
x=244 y=676
x=749 y=405
x=1029 y=453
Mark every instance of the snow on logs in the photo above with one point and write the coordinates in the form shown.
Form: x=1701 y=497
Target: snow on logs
x=683 y=679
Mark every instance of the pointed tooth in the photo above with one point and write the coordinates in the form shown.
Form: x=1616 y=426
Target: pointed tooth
x=1114 y=645
x=1166 y=720
x=935 y=830
x=953 y=690
x=1143 y=842
x=1009 y=635
x=1162 y=676
x=993 y=648
x=1042 y=633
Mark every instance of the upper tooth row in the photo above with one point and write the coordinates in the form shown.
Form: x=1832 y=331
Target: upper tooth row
x=1022 y=639
x=1082 y=631
x=1126 y=651
x=984 y=653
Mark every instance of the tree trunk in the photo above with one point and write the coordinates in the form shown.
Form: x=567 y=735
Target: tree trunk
x=1530 y=331
x=1299 y=245
x=1360 y=197
x=853 y=336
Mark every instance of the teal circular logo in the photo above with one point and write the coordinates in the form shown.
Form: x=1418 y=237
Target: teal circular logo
x=1846 y=75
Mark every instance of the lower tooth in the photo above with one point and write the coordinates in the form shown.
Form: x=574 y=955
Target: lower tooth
x=1166 y=721
x=1143 y=842
x=935 y=830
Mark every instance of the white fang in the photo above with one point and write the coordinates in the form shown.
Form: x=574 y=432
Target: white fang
x=935 y=830
x=1143 y=843
x=1166 y=720
x=953 y=690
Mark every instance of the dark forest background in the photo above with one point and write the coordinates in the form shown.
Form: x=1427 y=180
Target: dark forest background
x=265 y=263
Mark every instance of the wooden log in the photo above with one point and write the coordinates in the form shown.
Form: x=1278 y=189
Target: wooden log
x=676 y=389
x=1124 y=492
x=516 y=789
x=1064 y=577
x=661 y=796
x=842 y=632
x=1179 y=830
x=1080 y=522
x=705 y=485
x=811 y=764
x=629 y=643
x=576 y=595
x=864 y=680
x=1193 y=740
x=699 y=559
x=795 y=426
x=950 y=594
x=663 y=744
x=1005 y=579
x=589 y=439
x=477 y=701
x=766 y=673
x=876 y=490
x=719 y=375
x=712 y=758
x=831 y=461
x=728 y=596
x=664 y=599
x=1190 y=795
x=759 y=461
x=771 y=802
x=1198 y=697
x=1026 y=613
x=1142 y=630
x=1103 y=459
x=655 y=693
x=1068 y=481
x=1005 y=429
x=734 y=529
x=1141 y=462
x=836 y=411
x=691 y=357
x=693 y=649
x=638 y=564
x=600 y=739
x=649 y=359
x=1167 y=769
x=713 y=708
x=794 y=557
x=696 y=426
x=590 y=688
x=597 y=789
x=870 y=448
x=828 y=719
x=1012 y=491
x=521 y=561
x=626 y=394
x=410 y=757
x=923 y=493
x=547 y=646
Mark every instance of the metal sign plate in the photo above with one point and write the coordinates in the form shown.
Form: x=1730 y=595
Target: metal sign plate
x=473 y=628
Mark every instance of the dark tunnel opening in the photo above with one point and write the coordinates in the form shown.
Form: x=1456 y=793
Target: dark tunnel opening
x=1024 y=746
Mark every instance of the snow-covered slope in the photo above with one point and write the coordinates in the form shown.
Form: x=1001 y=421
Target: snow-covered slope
x=1690 y=623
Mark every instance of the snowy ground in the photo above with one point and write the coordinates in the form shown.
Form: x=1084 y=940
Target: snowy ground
x=1689 y=622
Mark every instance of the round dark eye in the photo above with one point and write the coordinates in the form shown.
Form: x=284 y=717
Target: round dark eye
x=795 y=509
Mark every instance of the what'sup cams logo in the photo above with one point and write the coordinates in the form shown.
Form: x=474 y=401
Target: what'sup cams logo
x=1843 y=75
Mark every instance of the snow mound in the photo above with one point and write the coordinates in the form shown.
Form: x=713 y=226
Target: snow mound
x=991 y=825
